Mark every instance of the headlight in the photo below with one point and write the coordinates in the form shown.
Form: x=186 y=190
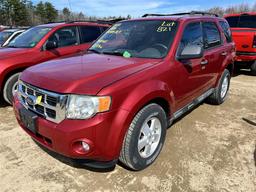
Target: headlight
x=84 y=107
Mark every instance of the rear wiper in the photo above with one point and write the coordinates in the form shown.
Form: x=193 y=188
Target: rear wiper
x=95 y=51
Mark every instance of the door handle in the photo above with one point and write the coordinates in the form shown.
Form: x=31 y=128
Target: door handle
x=224 y=53
x=204 y=62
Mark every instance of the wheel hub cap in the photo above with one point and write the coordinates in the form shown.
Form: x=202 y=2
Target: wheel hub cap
x=224 y=87
x=149 y=137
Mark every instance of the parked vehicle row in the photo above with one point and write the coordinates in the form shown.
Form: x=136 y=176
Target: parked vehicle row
x=115 y=101
x=43 y=43
x=243 y=28
x=6 y=36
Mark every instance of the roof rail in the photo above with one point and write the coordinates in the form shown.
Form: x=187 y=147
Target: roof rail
x=186 y=13
x=52 y=22
x=111 y=21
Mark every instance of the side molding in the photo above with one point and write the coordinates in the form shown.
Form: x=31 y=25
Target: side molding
x=191 y=105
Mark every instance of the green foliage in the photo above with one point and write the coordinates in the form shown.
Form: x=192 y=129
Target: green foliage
x=46 y=12
x=13 y=12
x=67 y=13
x=24 y=13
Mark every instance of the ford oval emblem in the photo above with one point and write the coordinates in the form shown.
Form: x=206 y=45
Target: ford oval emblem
x=30 y=101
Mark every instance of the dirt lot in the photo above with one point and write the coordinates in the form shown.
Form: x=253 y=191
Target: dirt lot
x=210 y=149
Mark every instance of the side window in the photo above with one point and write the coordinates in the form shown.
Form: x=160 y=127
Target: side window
x=89 y=33
x=65 y=37
x=226 y=29
x=211 y=34
x=104 y=29
x=192 y=35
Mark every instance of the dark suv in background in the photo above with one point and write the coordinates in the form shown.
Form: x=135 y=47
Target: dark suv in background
x=43 y=43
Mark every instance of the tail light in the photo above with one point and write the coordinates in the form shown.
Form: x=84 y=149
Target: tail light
x=254 y=42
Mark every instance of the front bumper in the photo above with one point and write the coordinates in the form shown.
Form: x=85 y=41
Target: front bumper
x=64 y=137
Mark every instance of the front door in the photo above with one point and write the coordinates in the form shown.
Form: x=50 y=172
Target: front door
x=67 y=40
x=189 y=82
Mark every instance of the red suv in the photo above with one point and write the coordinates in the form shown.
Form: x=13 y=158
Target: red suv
x=117 y=101
x=43 y=43
x=243 y=28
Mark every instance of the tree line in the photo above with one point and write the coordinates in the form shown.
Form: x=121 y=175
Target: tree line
x=244 y=7
x=25 y=13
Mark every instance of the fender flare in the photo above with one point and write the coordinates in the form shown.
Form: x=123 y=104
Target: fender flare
x=143 y=94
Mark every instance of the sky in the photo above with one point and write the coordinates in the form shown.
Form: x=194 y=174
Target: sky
x=137 y=8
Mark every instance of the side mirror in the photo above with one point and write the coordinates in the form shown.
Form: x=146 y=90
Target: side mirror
x=51 y=45
x=191 y=52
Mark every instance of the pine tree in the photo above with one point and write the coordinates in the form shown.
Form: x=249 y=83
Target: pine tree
x=51 y=12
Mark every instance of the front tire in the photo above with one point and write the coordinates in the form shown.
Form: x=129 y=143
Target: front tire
x=253 y=69
x=10 y=88
x=221 y=91
x=145 y=138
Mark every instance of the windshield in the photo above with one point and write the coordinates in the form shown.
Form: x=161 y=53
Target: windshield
x=29 y=38
x=4 y=35
x=244 y=21
x=142 y=39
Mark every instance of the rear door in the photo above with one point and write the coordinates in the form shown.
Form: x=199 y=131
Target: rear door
x=214 y=54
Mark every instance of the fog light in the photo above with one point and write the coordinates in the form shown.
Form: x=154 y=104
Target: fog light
x=85 y=146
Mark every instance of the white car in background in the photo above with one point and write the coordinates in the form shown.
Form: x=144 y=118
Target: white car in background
x=7 y=35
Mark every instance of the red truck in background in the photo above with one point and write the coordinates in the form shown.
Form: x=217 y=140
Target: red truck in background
x=243 y=27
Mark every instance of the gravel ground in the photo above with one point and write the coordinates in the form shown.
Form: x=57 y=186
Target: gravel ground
x=210 y=149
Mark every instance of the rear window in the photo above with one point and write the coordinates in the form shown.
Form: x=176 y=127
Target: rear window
x=243 y=21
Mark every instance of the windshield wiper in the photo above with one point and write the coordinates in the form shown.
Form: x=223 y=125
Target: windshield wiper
x=95 y=51
x=113 y=53
x=12 y=46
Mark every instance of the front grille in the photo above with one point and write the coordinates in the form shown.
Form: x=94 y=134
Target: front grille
x=51 y=106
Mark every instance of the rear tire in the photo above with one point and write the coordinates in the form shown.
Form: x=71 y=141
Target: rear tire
x=221 y=91
x=10 y=87
x=253 y=69
x=145 y=138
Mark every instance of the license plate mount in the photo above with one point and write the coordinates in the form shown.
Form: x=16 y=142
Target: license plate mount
x=29 y=120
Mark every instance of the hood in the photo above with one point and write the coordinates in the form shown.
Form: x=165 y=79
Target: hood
x=6 y=53
x=83 y=74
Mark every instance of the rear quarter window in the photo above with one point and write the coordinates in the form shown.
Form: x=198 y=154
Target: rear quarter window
x=226 y=29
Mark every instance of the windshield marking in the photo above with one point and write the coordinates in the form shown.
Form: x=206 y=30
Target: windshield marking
x=166 y=27
x=138 y=39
